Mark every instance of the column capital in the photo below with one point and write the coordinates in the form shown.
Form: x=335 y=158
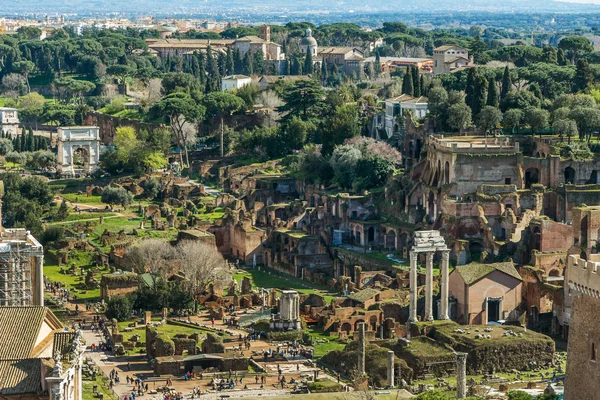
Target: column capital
x=445 y=254
x=414 y=255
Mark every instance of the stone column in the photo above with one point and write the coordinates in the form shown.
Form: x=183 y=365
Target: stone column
x=461 y=375
x=361 y=348
x=39 y=280
x=429 y=287
x=390 y=369
x=444 y=286
x=412 y=314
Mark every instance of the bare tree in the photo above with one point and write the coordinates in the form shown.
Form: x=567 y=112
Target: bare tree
x=12 y=83
x=155 y=256
x=270 y=100
x=202 y=264
x=154 y=90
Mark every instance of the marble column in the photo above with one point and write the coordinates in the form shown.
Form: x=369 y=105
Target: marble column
x=361 y=348
x=390 y=369
x=461 y=375
x=412 y=317
x=444 y=286
x=429 y=287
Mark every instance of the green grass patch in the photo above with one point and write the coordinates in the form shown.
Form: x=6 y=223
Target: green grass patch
x=75 y=282
x=82 y=198
x=331 y=343
x=102 y=383
x=268 y=278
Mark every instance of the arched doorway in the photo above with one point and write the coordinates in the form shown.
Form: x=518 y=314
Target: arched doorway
x=402 y=242
x=569 y=175
x=356 y=324
x=81 y=159
x=476 y=249
x=346 y=327
x=370 y=235
x=390 y=240
x=447 y=173
x=357 y=237
x=532 y=176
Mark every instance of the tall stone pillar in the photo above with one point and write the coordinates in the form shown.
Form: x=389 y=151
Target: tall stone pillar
x=429 y=287
x=361 y=348
x=444 y=286
x=412 y=317
x=38 y=296
x=390 y=369
x=461 y=375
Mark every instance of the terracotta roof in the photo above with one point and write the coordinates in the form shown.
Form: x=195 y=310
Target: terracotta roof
x=20 y=376
x=19 y=330
x=454 y=59
x=338 y=50
x=473 y=272
x=275 y=78
x=448 y=47
x=364 y=295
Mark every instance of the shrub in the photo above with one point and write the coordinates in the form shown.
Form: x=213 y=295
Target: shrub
x=119 y=308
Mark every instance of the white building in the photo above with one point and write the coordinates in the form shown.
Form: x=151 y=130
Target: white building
x=9 y=121
x=233 y=82
x=398 y=105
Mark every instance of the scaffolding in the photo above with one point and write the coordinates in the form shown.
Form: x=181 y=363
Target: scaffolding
x=15 y=273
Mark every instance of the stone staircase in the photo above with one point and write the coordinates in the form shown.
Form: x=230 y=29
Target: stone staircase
x=522 y=223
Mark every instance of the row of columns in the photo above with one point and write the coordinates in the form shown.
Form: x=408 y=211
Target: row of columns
x=428 y=286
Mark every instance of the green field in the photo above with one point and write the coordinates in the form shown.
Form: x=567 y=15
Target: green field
x=102 y=383
x=52 y=272
x=268 y=278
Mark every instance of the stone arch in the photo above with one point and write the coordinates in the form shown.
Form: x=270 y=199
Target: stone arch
x=357 y=237
x=555 y=272
x=402 y=239
x=346 y=327
x=569 y=175
x=390 y=239
x=356 y=324
x=532 y=176
x=476 y=249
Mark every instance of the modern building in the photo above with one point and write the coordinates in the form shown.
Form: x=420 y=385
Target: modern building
x=449 y=58
x=392 y=64
x=38 y=358
x=9 y=121
x=396 y=106
x=485 y=293
x=233 y=82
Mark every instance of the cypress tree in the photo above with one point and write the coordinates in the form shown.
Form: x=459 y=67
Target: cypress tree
x=288 y=67
x=407 y=84
x=229 y=65
x=247 y=65
x=416 y=82
x=323 y=70
x=560 y=57
x=30 y=141
x=308 y=63
x=334 y=70
x=492 y=95
x=506 y=83
x=480 y=95
x=422 y=85
x=16 y=143
x=23 y=144
x=583 y=75
x=238 y=62
x=377 y=66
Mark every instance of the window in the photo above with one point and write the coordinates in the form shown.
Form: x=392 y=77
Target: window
x=507 y=181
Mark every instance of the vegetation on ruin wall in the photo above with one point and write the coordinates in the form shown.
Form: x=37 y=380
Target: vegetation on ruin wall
x=420 y=351
x=502 y=353
x=375 y=363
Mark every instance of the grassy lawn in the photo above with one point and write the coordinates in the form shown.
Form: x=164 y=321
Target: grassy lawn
x=217 y=213
x=268 y=278
x=323 y=348
x=82 y=198
x=52 y=272
x=102 y=382
x=86 y=215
